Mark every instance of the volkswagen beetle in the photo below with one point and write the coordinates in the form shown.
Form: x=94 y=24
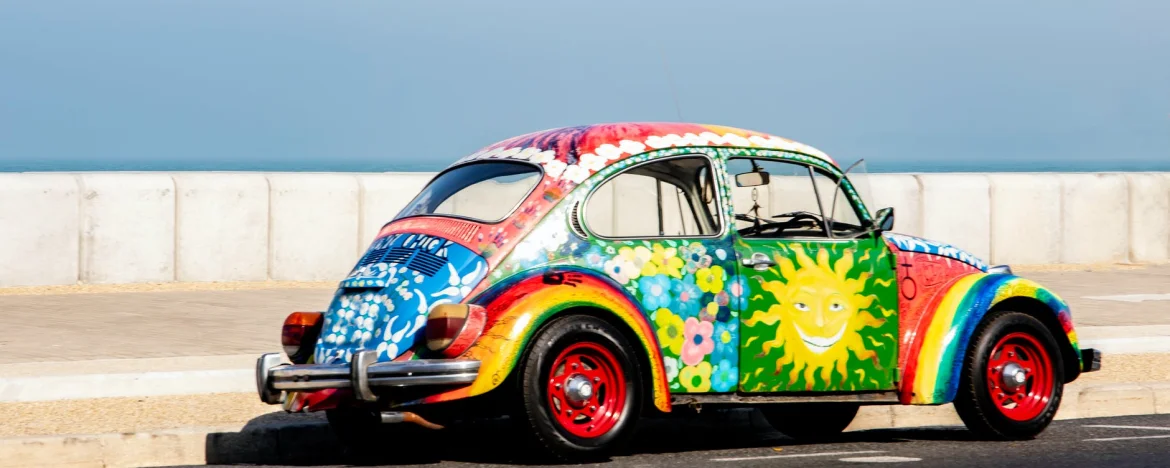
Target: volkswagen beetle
x=580 y=278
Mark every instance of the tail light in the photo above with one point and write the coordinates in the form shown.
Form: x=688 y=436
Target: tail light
x=452 y=328
x=299 y=335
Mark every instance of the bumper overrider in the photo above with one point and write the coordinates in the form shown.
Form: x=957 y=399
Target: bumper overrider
x=363 y=375
x=1090 y=360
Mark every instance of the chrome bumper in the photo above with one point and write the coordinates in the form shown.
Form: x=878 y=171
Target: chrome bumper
x=362 y=374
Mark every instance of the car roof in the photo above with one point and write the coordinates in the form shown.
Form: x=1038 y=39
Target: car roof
x=575 y=153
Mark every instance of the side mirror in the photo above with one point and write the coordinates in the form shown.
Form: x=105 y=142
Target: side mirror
x=752 y=179
x=884 y=220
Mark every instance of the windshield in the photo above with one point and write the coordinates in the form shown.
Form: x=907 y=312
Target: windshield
x=483 y=191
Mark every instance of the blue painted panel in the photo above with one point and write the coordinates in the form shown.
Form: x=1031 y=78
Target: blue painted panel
x=382 y=305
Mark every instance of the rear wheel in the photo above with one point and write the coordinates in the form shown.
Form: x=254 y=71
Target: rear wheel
x=581 y=388
x=1012 y=380
x=810 y=421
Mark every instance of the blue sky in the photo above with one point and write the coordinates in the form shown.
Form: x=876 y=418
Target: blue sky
x=365 y=85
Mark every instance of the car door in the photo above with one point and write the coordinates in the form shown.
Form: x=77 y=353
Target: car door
x=822 y=312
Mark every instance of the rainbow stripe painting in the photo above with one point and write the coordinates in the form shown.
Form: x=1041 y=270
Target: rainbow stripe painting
x=932 y=372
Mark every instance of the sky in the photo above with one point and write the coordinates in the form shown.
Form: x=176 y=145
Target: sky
x=414 y=85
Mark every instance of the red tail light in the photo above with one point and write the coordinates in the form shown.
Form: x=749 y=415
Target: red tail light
x=299 y=335
x=452 y=328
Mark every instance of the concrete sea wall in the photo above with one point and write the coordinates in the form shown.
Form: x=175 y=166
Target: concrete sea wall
x=66 y=228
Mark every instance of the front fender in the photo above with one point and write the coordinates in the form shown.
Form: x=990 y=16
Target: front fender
x=936 y=354
x=518 y=306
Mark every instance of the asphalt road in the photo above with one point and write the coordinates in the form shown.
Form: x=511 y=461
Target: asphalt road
x=722 y=439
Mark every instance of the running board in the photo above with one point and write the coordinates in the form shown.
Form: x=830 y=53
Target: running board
x=864 y=398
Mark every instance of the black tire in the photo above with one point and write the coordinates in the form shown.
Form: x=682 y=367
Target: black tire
x=810 y=421
x=974 y=401
x=536 y=414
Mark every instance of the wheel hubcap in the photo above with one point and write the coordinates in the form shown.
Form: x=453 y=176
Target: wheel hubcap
x=586 y=390
x=579 y=390
x=1019 y=376
x=1014 y=377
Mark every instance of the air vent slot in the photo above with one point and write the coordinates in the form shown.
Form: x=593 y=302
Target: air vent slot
x=427 y=263
x=398 y=255
x=575 y=221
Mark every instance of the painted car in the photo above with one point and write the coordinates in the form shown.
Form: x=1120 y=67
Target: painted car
x=579 y=278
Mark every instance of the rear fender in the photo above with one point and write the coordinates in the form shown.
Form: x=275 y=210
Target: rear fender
x=518 y=306
x=935 y=357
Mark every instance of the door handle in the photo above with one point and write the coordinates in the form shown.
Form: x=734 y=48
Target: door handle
x=759 y=262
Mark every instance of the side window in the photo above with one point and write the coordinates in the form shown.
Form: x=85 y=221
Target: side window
x=658 y=199
x=775 y=199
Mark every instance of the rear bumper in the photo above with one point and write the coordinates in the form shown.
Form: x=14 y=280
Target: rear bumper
x=1090 y=360
x=363 y=375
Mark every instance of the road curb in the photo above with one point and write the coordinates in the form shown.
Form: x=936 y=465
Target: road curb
x=306 y=443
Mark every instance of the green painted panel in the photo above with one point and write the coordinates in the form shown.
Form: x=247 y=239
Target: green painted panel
x=824 y=318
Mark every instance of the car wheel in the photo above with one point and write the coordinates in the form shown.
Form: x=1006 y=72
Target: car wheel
x=581 y=389
x=810 y=421
x=1012 y=381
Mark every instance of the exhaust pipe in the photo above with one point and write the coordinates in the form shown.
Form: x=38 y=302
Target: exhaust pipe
x=394 y=417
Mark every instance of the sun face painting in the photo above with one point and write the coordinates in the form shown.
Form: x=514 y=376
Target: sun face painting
x=820 y=314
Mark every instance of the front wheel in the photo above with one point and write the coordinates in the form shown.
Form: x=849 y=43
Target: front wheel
x=810 y=421
x=581 y=388
x=1012 y=378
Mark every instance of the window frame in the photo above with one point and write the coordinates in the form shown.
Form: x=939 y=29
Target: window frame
x=720 y=212
x=539 y=169
x=812 y=170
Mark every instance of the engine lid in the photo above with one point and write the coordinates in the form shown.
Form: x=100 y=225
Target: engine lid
x=382 y=304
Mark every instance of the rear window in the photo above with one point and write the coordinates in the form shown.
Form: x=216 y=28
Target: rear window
x=483 y=191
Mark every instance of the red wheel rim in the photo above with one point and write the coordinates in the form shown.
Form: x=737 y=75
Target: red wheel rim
x=586 y=390
x=1019 y=376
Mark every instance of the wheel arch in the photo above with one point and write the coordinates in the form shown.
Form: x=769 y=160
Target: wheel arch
x=640 y=353
x=519 y=307
x=1070 y=357
x=937 y=353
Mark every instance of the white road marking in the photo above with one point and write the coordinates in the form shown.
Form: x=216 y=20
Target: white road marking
x=796 y=455
x=1109 y=426
x=1132 y=297
x=1107 y=439
x=880 y=459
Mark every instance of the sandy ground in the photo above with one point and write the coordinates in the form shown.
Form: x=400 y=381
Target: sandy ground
x=1130 y=368
x=113 y=415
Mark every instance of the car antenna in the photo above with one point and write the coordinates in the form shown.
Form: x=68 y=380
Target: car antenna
x=837 y=188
